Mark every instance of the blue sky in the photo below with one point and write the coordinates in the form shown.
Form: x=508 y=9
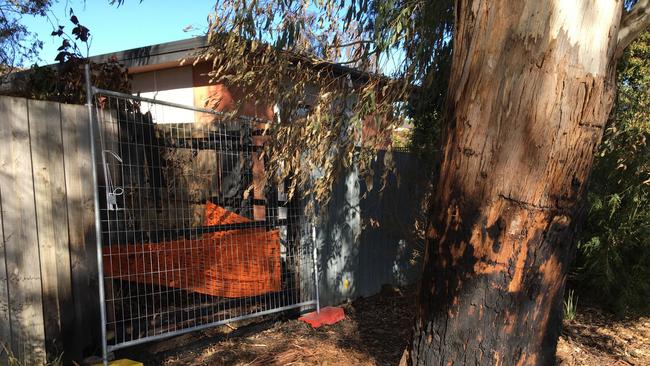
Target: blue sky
x=133 y=24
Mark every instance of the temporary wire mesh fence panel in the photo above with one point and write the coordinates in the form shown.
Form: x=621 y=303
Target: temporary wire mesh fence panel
x=193 y=235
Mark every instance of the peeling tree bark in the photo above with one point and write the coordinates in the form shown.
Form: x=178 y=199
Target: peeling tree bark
x=531 y=87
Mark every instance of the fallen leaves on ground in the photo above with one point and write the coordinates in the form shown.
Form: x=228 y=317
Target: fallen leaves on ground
x=375 y=332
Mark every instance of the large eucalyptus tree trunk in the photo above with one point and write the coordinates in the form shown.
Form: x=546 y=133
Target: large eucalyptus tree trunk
x=531 y=87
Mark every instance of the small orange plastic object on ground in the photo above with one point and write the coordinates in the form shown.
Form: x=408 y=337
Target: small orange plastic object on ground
x=328 y=315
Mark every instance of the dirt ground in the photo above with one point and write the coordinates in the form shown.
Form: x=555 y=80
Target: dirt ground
x=375 y=332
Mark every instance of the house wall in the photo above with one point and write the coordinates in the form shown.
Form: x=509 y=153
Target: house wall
x=355 y=257
x=190 y=85
x=227 y=97
x=171 y=85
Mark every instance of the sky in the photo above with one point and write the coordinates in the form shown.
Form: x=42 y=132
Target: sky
x=134 y=24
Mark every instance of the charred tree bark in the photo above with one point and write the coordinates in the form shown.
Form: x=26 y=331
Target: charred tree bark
x=531 y=87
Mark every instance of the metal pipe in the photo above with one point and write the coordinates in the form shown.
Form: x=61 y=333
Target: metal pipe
x=200 y=230
x=172 y=104
x=98 y=227
x=315 y=257
x=205 y=326
x=202 y=143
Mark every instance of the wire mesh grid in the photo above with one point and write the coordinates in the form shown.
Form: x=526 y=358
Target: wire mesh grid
x=192 y=233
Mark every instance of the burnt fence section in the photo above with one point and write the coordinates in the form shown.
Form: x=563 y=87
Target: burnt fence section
x=49 y=303
x=193 y=234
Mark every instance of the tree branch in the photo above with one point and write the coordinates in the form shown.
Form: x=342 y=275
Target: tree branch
x=633 y=23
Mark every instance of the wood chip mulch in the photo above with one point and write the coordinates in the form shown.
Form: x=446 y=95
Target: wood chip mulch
x=375 y=332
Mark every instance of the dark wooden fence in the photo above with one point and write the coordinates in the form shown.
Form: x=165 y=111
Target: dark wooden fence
x=48 y=272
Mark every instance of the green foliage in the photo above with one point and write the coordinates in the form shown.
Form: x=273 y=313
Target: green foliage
x=65 y=82
x=17 y=43
x=343 y=73
x=570 y=306
x=613 y=259
x=426 y=107
x=20 y=47
x=300 y=54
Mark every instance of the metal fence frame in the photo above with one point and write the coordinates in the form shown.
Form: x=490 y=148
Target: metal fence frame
x=92 y=92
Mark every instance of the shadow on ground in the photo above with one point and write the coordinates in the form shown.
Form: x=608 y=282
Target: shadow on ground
x=374 y=332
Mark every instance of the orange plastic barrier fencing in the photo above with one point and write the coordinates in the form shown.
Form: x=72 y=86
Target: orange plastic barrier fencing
x=232 y=263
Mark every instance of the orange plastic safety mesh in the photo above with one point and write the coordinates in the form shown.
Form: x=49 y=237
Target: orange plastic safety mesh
x=232 y=263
